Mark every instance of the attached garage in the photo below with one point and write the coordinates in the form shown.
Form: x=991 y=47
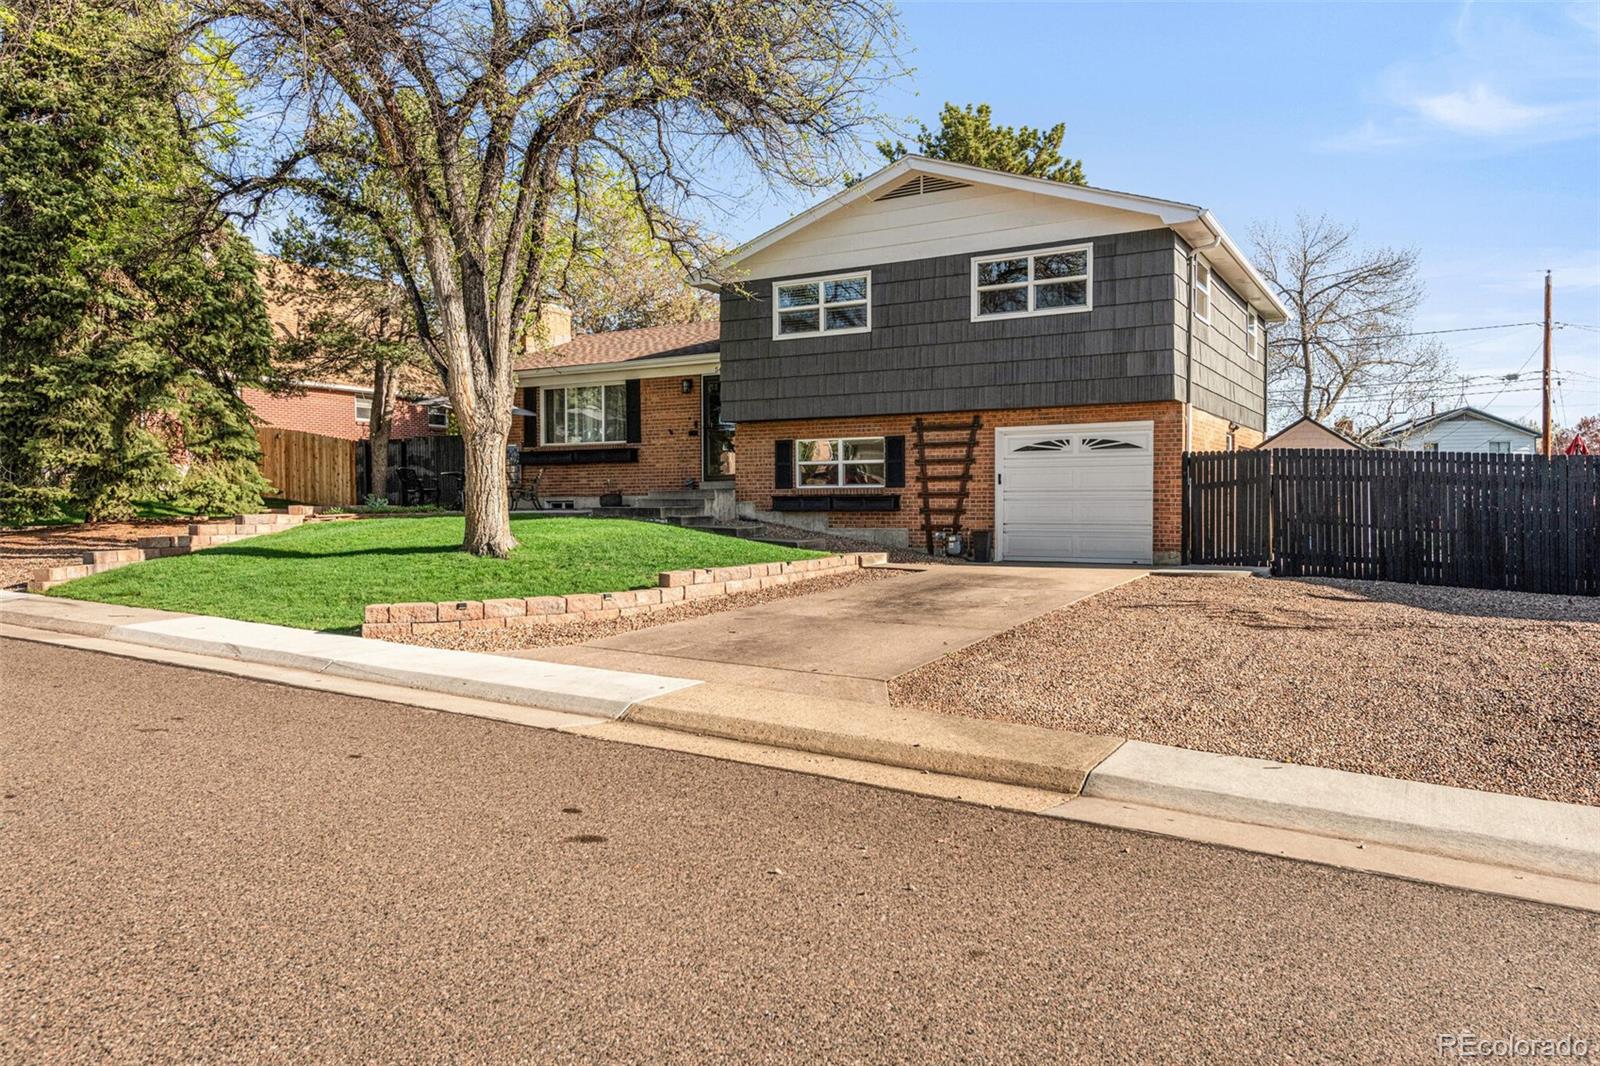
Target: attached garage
x=1075 y=493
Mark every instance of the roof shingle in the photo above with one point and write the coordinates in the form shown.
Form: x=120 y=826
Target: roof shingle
x=626 y=345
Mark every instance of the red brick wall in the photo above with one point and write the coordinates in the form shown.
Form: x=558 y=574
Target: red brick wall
x=332 y=414
x=1209 y=433
x=755 y=442
x=668 y=455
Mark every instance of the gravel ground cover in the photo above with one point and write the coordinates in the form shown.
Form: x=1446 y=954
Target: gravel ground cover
x=22 y=551
x=518 y=638
x=1472 y=688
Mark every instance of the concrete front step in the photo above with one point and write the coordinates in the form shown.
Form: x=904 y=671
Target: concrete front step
x=699 y=502
x=804 y=545
x=627 y=512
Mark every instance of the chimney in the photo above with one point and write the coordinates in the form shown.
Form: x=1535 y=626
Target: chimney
x=555 y=327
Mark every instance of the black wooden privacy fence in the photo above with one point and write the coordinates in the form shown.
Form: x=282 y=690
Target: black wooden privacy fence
x=421 y=470
x=1519 y=522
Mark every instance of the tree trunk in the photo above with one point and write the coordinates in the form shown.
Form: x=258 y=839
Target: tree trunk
x=484 y=498
x=385 y=387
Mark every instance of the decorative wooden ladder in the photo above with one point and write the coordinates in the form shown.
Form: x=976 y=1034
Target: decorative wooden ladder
x=949 y=500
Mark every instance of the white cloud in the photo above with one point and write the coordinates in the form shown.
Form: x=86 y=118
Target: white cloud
x=1480 y=110
x=1507 y=76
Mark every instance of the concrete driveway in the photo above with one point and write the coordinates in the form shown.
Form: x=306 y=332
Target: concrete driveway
x=849 y=642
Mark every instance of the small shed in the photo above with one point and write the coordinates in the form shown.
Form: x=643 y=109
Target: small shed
x=1309 y=433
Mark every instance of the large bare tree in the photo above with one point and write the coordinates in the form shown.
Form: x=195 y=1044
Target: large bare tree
x=1346 y=351
x=468 y=123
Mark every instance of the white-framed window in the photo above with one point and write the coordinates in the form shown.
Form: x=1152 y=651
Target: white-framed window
x=839 y=462
x=812 y=307
x=1252 y=333
x=584 y=414
x=1202 y=292
x=1500 y=447
x=363 y=408
x=439 y=417
x=1051 y=281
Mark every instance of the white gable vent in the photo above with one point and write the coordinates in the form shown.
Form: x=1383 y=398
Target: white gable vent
x=920 y=184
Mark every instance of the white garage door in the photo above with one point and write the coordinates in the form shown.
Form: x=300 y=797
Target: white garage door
x=1075 y=494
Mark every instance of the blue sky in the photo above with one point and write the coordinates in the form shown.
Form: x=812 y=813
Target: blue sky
x=1469 y=131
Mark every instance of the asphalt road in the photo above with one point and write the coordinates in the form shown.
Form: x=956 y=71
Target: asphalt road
x=201 y=867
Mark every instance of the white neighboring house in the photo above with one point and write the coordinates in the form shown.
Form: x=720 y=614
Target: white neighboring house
x=1465 y=429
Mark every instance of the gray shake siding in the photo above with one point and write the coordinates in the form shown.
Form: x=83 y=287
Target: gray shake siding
x=1229 y=381
x=924 y=354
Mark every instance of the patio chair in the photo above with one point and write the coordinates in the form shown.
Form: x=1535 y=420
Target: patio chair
x=524 y=491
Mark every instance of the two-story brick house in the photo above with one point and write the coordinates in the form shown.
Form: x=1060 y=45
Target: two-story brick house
x=941 y=346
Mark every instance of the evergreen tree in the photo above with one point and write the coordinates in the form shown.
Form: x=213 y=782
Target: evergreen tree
x=968 y=135
x=129 y=314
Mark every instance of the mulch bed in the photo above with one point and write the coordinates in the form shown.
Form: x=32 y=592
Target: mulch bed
x=1478 y=689
x=22 y=551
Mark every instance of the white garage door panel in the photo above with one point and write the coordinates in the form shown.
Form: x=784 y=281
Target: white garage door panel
x=1076 y=493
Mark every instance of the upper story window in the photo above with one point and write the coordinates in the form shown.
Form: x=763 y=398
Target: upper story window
x=1051 y=281
x=439 y=417
x=363 y=409
x=585 y=414
x=839 y=462
x=811 y=307
x=1202 y=292
x=1254 y=336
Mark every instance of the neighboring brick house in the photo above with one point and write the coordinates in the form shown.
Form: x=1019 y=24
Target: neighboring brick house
x=336 y=409
x=335 y=405
x=938 y=347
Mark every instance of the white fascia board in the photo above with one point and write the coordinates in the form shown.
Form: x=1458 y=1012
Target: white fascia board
x=328 y=386
x=1233 y=265
x=1169 y=212
x=671 y=366
x=1194 y=223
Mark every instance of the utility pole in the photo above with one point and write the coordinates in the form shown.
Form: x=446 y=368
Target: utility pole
x=1546 y=434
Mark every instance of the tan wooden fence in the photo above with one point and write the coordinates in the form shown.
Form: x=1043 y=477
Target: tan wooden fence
x=308 y=467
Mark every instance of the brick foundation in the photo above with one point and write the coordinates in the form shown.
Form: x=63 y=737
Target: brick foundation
x=755 y=480
x=1208 y=433
x=674 y=588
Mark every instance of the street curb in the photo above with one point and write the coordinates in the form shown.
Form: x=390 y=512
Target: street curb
x=520 y=682
x=1561 y=839
x=975 y=748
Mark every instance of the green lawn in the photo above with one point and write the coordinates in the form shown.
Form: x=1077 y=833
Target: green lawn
x=320 y=576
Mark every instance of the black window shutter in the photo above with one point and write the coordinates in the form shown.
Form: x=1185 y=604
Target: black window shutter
x=635 y=431
x=530 y=423
x=894 y=462
x=783 y=464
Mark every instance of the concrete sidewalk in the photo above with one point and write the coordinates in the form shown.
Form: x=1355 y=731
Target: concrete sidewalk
x=848 y=643
x=551 y=686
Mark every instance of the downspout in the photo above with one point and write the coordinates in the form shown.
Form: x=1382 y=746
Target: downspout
x=1188 y=354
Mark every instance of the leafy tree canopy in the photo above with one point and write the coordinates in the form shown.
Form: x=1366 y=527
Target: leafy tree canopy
x=968 y=134
x=129 y=314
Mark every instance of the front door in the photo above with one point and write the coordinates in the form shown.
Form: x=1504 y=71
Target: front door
x=717 y=458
